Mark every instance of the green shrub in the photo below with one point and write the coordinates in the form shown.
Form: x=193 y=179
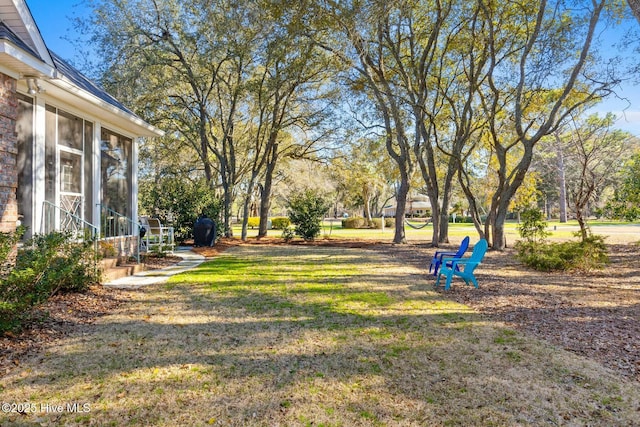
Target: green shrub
x=253 y=221
x=536 y=253
x=287 y=234
x=46 y=265
x=388 y=222
x=306 y=210
x=8 y=243
x=354 y=222
x=184 y=199
x=576 y=255
x=533 y=226
x=280 y=223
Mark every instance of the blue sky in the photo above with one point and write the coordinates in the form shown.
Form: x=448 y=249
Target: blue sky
x=54 y=18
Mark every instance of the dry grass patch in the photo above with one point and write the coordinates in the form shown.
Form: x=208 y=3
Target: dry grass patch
x=276 y=335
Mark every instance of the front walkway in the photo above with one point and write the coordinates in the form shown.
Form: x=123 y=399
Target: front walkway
x=190 y=260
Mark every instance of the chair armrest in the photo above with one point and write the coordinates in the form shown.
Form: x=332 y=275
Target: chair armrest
x=463 y=261
x=440 y=255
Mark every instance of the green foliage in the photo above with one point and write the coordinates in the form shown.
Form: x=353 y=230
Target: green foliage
x=306 y=210
x=533 y=226
x=461 y=219
x=253 y=221
x=359 y=222
x=388 y=222
x=626 y=201
x=46 y=265
x=8 y=243
x=354 y=222
x=575 y=255
x=288 y=234
x=534 y=252
x=184 y=199
x=280 y=223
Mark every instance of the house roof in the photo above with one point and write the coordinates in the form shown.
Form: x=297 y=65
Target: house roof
x=8 y=35
x=83 y=82
x=23 y=54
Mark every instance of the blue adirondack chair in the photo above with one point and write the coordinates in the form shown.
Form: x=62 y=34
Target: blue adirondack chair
x=436 y=261
x=463 y=267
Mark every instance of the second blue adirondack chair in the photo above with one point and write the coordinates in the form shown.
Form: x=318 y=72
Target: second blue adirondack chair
x=463 y=267
x=436 y=261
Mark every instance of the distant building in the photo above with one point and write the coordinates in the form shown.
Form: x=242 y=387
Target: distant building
x=418 y=206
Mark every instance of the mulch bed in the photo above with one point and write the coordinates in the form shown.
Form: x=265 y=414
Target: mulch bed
x=596 y=315
x=54 y=319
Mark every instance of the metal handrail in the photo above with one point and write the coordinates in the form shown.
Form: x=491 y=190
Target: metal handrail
x=115 y=224
x=68 y=222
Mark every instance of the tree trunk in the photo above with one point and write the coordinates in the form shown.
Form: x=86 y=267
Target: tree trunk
x=401 y=207
x=246 y=207
x=367 y=209
x=584 y=233
x=245 y=217
x=498 y=237
x=228 y=203
x=635 y=7
x=265 y=200
x=562 y=183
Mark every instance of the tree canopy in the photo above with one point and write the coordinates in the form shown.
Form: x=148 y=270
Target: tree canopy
x=460 y=93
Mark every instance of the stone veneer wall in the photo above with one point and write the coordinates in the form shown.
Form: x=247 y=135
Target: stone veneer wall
x=8 y=154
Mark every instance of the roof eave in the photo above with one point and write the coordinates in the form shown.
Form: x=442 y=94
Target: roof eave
x=136 y=124
x=19 y=64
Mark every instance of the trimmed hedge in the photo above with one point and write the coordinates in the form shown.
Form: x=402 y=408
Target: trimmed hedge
x=354 y=222
x=253 y=221
x=277 y=223
x=280 y=223
x=359 y=222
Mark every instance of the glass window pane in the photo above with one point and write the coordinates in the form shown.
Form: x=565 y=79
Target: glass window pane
x=70 y=130
x=70 y=172
x=115 y=164
x=24 y=131
x=88 y=171
x=50 y=154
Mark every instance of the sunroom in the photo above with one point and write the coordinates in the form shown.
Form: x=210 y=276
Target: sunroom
x=71 y=161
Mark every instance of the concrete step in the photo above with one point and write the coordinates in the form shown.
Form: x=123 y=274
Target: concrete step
x=111 y=270
x=107 y=263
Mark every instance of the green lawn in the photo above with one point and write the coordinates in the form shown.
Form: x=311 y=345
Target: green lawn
x=618 y=231
x=294 y=335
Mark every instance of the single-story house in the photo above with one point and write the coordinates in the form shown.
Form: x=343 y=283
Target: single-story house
x=68 y=149
x=417 y=206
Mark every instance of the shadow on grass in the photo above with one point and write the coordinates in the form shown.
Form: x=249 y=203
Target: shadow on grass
x=253 y=336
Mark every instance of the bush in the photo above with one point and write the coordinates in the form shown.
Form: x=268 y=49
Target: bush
x=48 y=264
x=536 y=253
x=533 y=226
x=306 y=210
x=287 y=234
x=354 y=222
x=280 y=223
x=585 y=256
x=388 y=222
x=253 y=221
x=185 y=199
x=8 y=242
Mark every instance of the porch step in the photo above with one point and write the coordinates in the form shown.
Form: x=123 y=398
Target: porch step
x=111 y=270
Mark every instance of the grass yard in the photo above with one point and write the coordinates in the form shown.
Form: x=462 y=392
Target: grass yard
x=616 y=231
x=295 y=335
